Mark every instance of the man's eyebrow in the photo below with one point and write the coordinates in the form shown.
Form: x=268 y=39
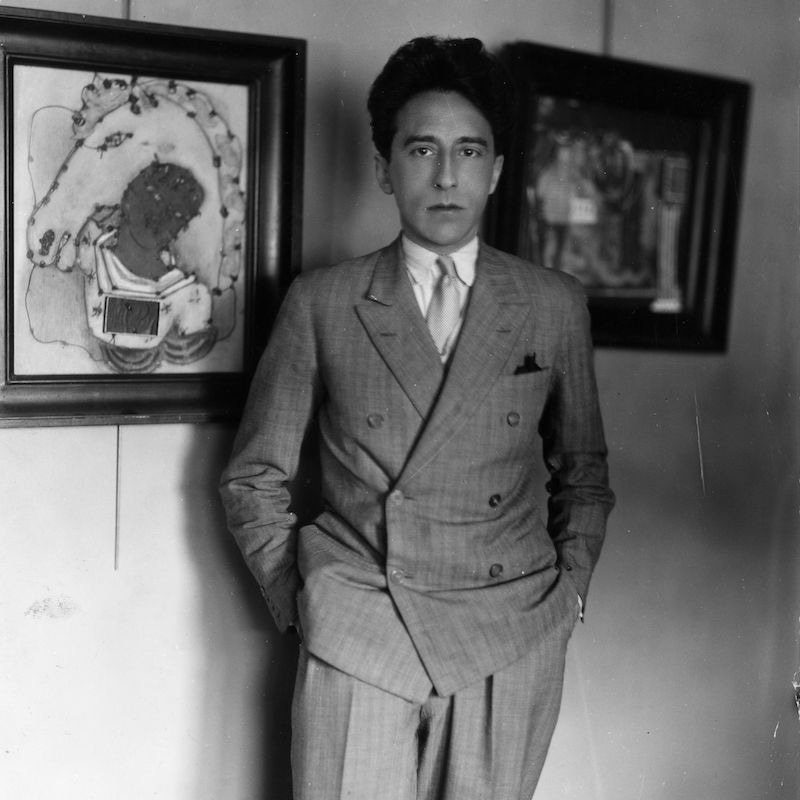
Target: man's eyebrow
x=427 y=138
x=418 y=137
x=472 y=140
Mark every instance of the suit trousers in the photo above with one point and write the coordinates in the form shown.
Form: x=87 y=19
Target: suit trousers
x=354 y=741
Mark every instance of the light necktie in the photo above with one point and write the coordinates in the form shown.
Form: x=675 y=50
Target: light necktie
x=445 y=306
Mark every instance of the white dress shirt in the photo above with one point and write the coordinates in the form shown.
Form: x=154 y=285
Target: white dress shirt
x=424 y=273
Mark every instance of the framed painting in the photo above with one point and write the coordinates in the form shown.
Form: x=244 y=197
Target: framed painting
x=627 y=176
x=152 y=196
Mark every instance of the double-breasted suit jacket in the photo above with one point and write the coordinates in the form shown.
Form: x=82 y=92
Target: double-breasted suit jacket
x=431 y=564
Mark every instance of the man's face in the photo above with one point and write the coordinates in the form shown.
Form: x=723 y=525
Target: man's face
x=442 y=169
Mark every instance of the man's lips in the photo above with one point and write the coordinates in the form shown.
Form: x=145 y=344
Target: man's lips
x=445 y=207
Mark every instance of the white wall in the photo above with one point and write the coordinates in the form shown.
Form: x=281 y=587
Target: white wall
x=163 y=678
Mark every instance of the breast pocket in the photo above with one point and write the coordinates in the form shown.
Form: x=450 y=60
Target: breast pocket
x=525 y=383
x=522 y=394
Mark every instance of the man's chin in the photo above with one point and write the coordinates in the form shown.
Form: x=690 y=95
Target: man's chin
x=442 y=240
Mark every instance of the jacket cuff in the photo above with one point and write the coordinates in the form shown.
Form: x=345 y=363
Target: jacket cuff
x=282 y=601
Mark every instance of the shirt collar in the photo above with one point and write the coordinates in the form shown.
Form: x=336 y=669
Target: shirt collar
x=421 y=262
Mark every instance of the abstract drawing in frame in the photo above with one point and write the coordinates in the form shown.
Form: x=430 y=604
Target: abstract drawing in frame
x=152 y=196
x=627 y=176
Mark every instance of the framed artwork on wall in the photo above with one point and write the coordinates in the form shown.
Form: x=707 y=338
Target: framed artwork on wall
x=151 y=215
x=628 y=176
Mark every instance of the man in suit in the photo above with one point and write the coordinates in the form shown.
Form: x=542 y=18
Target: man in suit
x=433 y=601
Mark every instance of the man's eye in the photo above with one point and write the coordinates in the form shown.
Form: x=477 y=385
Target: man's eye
x=471 y=152
x=423 y=151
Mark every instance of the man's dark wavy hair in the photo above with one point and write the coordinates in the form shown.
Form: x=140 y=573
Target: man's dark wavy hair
x=432 y=63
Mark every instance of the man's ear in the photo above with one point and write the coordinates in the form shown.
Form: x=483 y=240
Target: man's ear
x=382 y=174
x=496 y=170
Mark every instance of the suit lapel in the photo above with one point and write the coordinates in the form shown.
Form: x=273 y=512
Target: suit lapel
x=391 y=316
x=498 y=308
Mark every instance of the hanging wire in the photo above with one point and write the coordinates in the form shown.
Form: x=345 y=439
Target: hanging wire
x=116 y=506
x=126 y=9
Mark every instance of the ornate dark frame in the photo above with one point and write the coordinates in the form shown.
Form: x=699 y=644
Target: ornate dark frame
x=718 y=109
x=273 y=70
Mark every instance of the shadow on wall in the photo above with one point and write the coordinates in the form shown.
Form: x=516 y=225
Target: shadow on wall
x=243 y=740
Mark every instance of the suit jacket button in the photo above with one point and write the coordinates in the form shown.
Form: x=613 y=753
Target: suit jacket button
x=397 y=576
x=496 y=570
x=375 y=420
x=495 y=500
x=513 y=419
x=396 y=497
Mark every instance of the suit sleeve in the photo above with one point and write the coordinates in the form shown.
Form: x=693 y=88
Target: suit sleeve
x=266 y=454
x=575 y=451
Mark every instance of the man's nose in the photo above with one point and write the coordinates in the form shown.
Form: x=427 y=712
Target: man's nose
x=445 y=177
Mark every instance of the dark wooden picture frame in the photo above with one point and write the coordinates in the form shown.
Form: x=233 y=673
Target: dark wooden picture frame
x=628 y=176
x=151 y=214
